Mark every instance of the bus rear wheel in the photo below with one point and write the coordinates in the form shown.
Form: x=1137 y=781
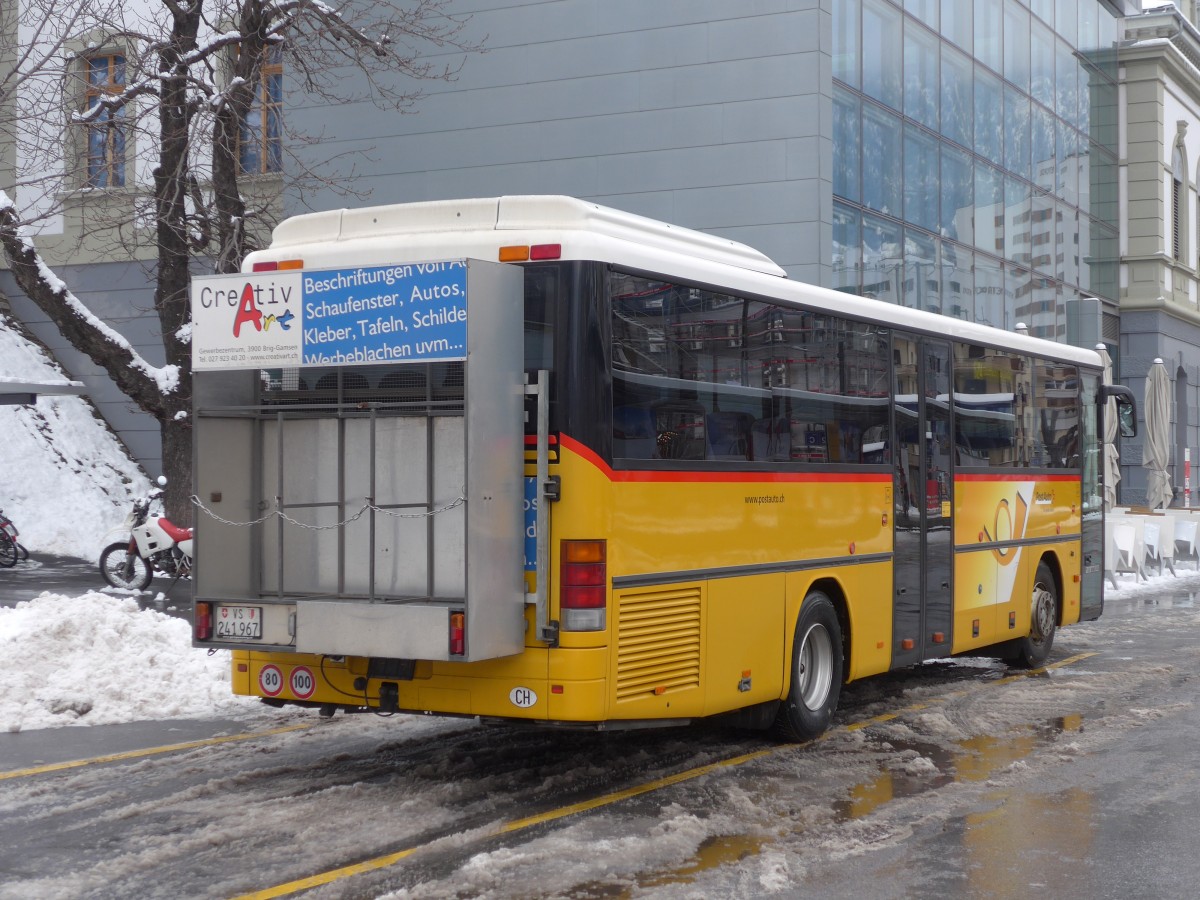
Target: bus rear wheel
x=1034 y=650
x=816 y=672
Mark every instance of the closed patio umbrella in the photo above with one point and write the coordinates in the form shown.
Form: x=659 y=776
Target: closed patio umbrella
x=1156 y=449
x=1112 y=459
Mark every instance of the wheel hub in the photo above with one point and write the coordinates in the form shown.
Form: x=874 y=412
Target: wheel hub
x=1043 y=612
x=815 y=666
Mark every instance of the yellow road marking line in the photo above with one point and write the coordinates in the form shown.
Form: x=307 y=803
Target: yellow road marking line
x=382 y=862
x=149 y=751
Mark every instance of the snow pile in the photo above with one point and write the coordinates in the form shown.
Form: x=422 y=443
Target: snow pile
x=96 y=660
x=67 y=480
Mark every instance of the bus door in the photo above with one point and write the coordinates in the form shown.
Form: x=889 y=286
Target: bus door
x=923 y=492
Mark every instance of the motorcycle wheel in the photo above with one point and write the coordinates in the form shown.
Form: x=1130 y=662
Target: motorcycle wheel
x=8 y=551
x=24 y=553
x=125 y=570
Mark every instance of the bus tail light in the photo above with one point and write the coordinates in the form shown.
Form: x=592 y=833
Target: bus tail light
x=458 y=634
x=584 y=585
x=203 y=627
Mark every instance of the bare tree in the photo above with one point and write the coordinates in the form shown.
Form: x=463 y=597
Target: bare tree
x=189 y=88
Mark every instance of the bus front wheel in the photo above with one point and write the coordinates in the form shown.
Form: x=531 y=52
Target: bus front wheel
x=1034 y=650
x=816 y=671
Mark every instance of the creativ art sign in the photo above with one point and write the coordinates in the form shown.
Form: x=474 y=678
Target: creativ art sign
x=413 y=312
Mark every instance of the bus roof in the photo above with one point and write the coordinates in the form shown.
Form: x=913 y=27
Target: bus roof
x=476 y=228
x=564 y=220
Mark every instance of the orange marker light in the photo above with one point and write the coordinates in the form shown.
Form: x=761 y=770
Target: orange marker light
x=514 y=254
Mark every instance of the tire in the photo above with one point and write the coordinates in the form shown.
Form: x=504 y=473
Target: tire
x=816 y=677
x=125 y=570
x=8 y=551
x=22 y=551
x=1034 y=650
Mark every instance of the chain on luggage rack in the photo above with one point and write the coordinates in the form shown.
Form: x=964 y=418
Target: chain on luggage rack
x=367 y=505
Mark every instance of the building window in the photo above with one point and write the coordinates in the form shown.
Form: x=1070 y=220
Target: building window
x=260 y=147
x=1178 y=170
x=105 y=133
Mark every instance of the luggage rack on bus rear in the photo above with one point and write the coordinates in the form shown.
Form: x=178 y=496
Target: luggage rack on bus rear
x=380 y=503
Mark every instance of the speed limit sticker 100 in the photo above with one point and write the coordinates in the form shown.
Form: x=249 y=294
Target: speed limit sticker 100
x=302 y=682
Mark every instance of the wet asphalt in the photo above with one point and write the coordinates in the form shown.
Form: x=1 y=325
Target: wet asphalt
x=42 y=573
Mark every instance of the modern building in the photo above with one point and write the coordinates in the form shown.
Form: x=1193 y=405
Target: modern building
x=961 y=156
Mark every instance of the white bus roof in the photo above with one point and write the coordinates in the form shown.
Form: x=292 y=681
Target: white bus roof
x=477 y=228
x=532 y=219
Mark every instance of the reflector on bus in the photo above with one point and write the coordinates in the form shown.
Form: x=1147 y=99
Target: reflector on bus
x=522 y=253
x=279 y=266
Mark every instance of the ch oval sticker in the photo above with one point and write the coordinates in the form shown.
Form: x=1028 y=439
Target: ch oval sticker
x=522 y=697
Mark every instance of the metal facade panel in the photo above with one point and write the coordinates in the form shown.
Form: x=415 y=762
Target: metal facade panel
x=641 y=106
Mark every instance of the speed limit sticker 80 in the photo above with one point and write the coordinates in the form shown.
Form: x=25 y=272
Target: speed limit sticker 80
x=270 y=680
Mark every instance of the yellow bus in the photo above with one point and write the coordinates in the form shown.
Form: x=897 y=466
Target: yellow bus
x=533 y=459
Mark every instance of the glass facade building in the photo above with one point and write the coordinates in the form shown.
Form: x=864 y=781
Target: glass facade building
x=975 y=156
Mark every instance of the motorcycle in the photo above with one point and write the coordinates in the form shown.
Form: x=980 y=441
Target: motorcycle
x=10 y=548
x=154 y=545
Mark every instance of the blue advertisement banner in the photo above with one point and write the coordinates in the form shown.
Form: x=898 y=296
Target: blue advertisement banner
x=412 y=312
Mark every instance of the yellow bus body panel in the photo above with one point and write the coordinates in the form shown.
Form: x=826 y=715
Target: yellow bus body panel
x=993 y=586
x=708 y=572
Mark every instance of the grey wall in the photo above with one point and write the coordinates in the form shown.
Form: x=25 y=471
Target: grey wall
x=121 y=294
x=709 y=114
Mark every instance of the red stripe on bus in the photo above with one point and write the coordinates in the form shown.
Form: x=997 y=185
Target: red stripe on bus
x=664 y=477
x=961 y=476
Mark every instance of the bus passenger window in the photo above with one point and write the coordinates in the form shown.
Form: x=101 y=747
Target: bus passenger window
x=992 y=407
x=1057 y=415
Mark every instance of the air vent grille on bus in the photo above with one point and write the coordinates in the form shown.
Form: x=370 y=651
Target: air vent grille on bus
x=658 y=642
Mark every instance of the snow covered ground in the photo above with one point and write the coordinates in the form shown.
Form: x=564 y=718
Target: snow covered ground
x=66 y=479
x=100 y=659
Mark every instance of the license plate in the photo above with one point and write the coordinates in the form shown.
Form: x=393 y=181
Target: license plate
x=239 y=623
